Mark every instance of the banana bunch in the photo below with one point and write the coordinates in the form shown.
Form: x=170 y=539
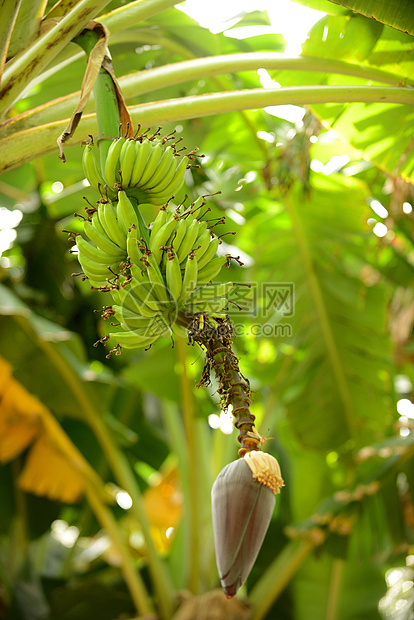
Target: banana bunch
x=156 y=275
x=144 y=167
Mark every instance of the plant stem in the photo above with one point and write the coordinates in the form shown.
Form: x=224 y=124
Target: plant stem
x=176 y=73
x=334 y=589
x=106 y=102
x=277 y=576
x=134 y=12
x=193 y=468
x=233 y=388
x=23 y=146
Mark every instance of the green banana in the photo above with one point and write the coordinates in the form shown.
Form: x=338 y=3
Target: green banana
x=127 y=159
x=161 y=238
x=156 y=279
x=152 y=163
x=127 y=298
x=209 y=253
x=127 y=210
x=189 y=278
x=97 y=224
x=100 y=240
x=89 y=168
x=107 y=215
x=166 y=162
x=187 y=243
x=145 y=290
x=201 y=229
x=96 y=269
x=142 y=153
x=203 y=241
x=120 y=218
x=173 y=276
x=94 y=253
x=159 y=221
x=178 y=235
x=112 y=161
x=125 y=315
x=211 y=269
x=171 y=182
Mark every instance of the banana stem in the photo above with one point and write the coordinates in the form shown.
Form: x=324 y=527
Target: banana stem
x=106 y=102
x=233 y=387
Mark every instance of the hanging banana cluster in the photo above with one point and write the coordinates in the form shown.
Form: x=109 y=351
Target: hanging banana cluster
x=144 y=167
x=154 y=276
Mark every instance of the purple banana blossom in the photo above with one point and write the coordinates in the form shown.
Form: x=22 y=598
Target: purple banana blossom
x=243 y=499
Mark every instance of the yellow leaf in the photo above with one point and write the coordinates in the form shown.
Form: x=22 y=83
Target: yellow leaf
x=47 y=472
x=20 y=419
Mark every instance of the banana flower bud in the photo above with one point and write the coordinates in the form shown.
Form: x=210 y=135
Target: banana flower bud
x=243 y=499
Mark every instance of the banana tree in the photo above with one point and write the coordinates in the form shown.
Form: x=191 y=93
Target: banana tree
x=311 y=311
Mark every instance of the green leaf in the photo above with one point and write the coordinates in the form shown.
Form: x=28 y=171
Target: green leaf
x=350 y=37
x=395 y=13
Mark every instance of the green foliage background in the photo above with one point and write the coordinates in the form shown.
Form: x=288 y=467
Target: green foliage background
x=326 y=380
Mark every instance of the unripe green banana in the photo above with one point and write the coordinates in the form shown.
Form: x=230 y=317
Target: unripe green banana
x=154 y=159
x=120 y=218
x=156 y=279
x=211 y=269
x=201 y=229
x=142 y=153
x=100 y=240
x=133 y=251
x=127 y=159
x=173 y=276
x=89 y=168
x=98 y=270
x=203 y=241
x=161 y=238
x=159 y=221
x=126 y=297
x=107 y=216
x=97 y=224
x=95 y=253
x=189 y=278
x=165 y=164
x=124 y=315
x=112 y=162
x=209 y=253
x=145 y=290
x=177 y=235
x=171 y=183
x=128 y=212
x=187 y=243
